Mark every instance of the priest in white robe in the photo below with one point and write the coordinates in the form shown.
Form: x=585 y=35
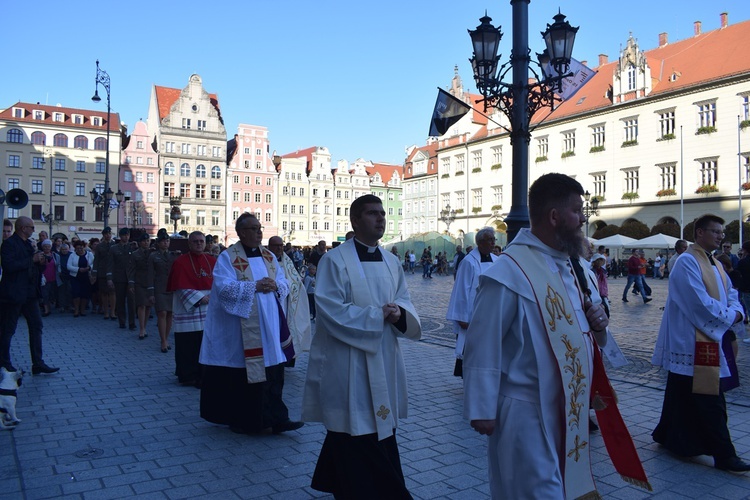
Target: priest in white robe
x=356 y=379
x=296 y=306
x=246 y=340
x=465 y=289
x=701 y=307
x=529 y=358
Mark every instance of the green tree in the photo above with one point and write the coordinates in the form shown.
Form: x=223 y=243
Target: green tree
x=688 y=232
x=732 y=231
x=635 y=229
x=668 y=229
x=606 y=231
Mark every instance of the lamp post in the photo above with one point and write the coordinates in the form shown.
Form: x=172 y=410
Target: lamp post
x=175 y=213
x=447 y=216
x=277 y=162
x=590 y=209
x=102 y=77
x=50 y=216
x=519 y=100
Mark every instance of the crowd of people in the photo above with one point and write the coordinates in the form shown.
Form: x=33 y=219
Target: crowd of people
x=529 y=322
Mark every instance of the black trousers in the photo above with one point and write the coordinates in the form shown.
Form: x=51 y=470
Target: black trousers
x=124 y=297
x=9 y=314
x=693 y=424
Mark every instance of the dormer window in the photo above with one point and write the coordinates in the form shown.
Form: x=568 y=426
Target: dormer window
x=18 y=113
x=631 y=73
x=96 y=121
x=59 y=117
x=78 y=119
x=38 y=115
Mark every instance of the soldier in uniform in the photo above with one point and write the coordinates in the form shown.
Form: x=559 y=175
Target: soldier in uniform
x=103 y=275
x=140 y=275
x=159 y=265
x=121 y=269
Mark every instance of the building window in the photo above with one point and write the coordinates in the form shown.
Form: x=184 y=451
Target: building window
x=38 y=138
x=185 y=170
x=746 y=167
x=476 y=160
x=216 y=151
x=459 y=163
x=169 y=168
x=460 y=199
x=569 y=141
x=60 y=187
x=326 y=226
x=78 y=119
x=215 y=192
x=247 y=197
x=169 y=147
x=214 y=217
x=184 y=190
x=60 y=140
x=597 y=136
x=709 y=172
x=169 y=189
x=631 y=180
x=100 y=144
x=268 y=181
x=542 y=147
x=200 y=217
x=185 y=148
x=150 y=197
x=15 y=135
x=631 y=72
x=215 y=172
x=200 y=150
x=268 y=219
x=14 y=161
x=139 y=177
x=600 y=184
x=257 y=197
x=497 y=196
x=745 y=107
x=630 y=129
x=200 y=191
x=81 y=142
x=707 y=115
x=185 y=218
x=80 y=213
x=139 y=145
x=268 y=198
x=80 y=189
x=80 y=166
x=257 y=181
x=17 y=112
x=37 y=186
x=186 y=123
x=149 y=161
x=100 y=167
x=150 y=177
x=666 y=124
x=668 y=175
x=200 y=171
x=201 y=124
x=97 y=122
x=60 y=164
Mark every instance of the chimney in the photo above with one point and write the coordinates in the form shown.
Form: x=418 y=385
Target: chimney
x=584 y=62
x=662 y=39
x=696 y=28
x=603 y=59
x=724 y=19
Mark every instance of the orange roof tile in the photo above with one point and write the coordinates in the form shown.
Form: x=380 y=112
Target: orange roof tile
x=385 y=170
x=166 y=97
x=68 y=113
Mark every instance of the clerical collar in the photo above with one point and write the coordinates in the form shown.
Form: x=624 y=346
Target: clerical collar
x=486 y=258
x=367 y=253
x=251 y=252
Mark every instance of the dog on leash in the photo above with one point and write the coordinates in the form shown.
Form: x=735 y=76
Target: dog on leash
x=9 y=384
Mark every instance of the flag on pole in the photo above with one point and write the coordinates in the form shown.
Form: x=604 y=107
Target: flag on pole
x=571 y=85
x=448 y=110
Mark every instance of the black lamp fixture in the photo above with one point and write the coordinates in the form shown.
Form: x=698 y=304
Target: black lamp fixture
x=519 y=99
x=102 y=78
x=447 y=216
x=591 y=207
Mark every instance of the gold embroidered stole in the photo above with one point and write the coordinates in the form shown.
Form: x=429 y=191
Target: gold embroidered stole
x=565 y=336
x=250 y=327
x=706 y=358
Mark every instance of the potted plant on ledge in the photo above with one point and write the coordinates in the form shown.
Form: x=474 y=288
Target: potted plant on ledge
x=666 y=192
x=630 y=196
x=707 y=189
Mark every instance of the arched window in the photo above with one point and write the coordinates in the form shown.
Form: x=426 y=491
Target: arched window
x=81 y=141
x=60 y=140
x=185 y=170
x=215 y=172
x=15 y=135
x=169 y=168
x=38 y=138
x=200 y=171
x=100 y=144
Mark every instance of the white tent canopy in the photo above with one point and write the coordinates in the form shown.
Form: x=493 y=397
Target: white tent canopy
x=657 y=241
x=616 y=241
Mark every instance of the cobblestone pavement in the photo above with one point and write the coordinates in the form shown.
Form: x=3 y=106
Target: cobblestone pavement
x=114 y=423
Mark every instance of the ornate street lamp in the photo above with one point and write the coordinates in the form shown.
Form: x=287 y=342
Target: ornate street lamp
x=103 y=200
x=590 y=209
x=447 y=216
x=519 y=99
x=175 y=213
x=102 y=77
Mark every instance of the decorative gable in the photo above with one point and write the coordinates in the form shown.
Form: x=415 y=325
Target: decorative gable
x=632 y=75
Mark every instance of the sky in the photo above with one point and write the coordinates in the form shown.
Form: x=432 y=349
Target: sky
x=359 y=78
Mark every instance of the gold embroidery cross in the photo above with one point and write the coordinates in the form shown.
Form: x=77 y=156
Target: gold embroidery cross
x=577 y=447
x=383 y=412
x=707 y=355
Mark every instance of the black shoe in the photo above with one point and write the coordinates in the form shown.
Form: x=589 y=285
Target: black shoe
x=625 y=299
x=250 y=432
x=733 y=464
x=37 y=369
x=647 y=300
x=289 y=425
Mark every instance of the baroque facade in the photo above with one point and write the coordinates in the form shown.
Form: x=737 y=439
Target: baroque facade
x=651 y=129
x=139 y=182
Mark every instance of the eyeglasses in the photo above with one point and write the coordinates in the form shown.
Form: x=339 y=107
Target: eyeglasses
x=255 y=229
x=717 y=232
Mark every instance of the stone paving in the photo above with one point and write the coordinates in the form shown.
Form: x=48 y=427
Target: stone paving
x=113 y=422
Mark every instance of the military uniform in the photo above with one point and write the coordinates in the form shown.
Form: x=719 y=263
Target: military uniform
x=159 y=265
x=122 y=271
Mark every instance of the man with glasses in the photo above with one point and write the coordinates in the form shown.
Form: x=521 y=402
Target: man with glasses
x=465 y=289
x=20 y=290
x=296 y=307
x=701 y=306
x=726 y=247
x=246 y=341
x=190 y=281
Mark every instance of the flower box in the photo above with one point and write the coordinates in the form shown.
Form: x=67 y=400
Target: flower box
x=596 y=149
x=459 y=173
x=627 y=144
x=540 y=159
x=666 y=192
x=705 y=130
x=496 y=166
x=666 y=137
x=476 y=210
x=567 y=154
x=707 y=189
x=476 y=170
x=445 y=176
x=630 y=196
